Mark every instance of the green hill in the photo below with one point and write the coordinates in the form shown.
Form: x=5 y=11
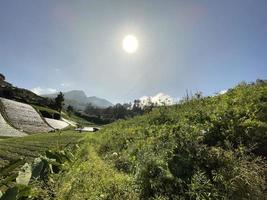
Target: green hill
x=8 y=91
x=203 y=148
x=206 y=148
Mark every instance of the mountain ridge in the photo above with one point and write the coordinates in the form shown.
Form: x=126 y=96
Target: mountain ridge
x=79 y=100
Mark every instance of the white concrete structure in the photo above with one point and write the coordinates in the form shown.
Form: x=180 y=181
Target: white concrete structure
x=24 y=117
x=56 y=124
x=8 y=131
x=87 y=129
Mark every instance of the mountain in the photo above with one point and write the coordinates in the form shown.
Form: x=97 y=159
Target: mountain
x=79 y=100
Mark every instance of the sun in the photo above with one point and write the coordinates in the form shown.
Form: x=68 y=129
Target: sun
x=130 y=44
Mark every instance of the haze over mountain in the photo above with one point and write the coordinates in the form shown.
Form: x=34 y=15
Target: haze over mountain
x=79 y=100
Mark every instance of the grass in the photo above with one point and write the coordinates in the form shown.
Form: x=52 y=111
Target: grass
x=90 y=177
x=36 y=144
x=71 y=117
x=49 y=110
x=82 y=121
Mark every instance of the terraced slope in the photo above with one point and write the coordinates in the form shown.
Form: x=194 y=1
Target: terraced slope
x=29 y=147
x=7 y=131
x=24 y=117
x=56 y=124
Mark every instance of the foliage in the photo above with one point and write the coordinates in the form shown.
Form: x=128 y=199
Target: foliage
x=70 y=110
x=91 y=178
x=47 y=112
x=15 y=152
x=59 y=101
x=42 y=170
x=116 y=112
x=203 y=148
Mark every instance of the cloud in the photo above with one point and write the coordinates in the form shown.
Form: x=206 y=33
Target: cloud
x=39 y=90
x=65 y=84
x=223 y=92
x=158 y=99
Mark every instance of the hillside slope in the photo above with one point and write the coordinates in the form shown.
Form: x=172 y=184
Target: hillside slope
x=8 y=91
x=208 y=148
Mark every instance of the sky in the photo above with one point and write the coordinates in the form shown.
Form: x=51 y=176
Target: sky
x=207 y=45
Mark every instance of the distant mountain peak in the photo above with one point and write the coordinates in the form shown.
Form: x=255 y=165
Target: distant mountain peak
x=77 y=92
x=79 y=100
x=74 y=94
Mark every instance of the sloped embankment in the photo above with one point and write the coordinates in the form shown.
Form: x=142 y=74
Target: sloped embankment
x=7 y=131
x=56 y=124
x=24 y=117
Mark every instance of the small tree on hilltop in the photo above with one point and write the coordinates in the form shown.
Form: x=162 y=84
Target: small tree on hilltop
x=2 y=77
x=70 y=109
x=59 y=100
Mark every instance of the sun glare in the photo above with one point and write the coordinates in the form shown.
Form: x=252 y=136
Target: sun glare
x=130 y=44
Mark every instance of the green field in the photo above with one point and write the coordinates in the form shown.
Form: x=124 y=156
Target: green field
x=14 y=152
x=12 y=149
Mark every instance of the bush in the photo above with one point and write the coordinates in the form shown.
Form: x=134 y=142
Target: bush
x=202 y=149
x=206 y=148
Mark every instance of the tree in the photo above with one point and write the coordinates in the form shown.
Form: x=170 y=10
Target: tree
x=70 y=109
x=2 y=77
x=59 y=100
x=198 y=95
x=119 y=112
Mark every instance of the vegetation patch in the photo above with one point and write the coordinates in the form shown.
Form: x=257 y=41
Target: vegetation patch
x=204 y=148
x=15 y=152
x=47 y=112
x=92 y=178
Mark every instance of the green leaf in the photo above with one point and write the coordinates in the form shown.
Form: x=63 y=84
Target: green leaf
x=37 y=167
x=11 y=194
x=24 y=175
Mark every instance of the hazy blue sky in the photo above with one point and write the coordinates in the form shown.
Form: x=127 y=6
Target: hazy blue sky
x=207 y=45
